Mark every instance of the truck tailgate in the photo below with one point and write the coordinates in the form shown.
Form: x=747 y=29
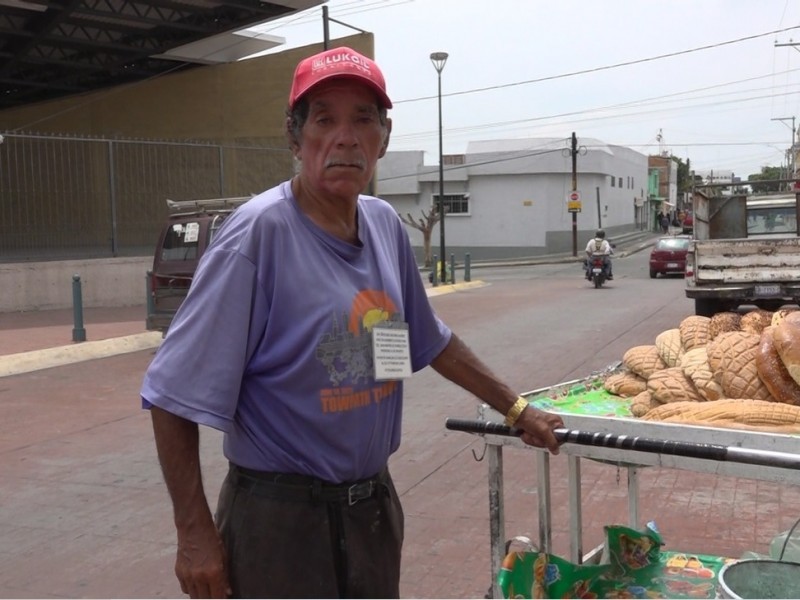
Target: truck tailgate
x=746 y=260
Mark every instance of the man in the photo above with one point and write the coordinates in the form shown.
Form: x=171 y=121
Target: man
x=303 y=318
x=599 y=245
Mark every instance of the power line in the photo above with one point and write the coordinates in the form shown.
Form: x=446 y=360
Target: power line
x=604 y=68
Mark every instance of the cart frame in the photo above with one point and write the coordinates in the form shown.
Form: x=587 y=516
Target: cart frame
x=628 y=459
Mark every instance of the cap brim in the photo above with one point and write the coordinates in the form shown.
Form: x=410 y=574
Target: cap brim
x=382 y=97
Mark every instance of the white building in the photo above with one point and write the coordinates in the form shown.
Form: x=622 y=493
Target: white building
x=508 y=198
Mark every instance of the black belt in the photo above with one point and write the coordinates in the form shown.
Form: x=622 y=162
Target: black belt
x=290 y=486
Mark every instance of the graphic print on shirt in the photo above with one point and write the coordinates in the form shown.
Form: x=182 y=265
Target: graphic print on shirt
x=346 y=353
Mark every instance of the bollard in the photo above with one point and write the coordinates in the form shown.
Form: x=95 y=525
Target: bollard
x=435 y=271
x=78 y=332
x=466 y=268
x=452 y=268
x=149 y=300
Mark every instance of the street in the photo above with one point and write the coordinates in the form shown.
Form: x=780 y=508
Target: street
x=84 y=511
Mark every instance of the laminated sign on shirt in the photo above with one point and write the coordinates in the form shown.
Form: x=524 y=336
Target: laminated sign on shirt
x=390 y=351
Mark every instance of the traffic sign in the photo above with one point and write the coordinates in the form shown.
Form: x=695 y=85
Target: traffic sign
x=574 y=196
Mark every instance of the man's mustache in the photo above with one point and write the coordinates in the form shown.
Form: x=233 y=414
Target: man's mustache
x=359 y=164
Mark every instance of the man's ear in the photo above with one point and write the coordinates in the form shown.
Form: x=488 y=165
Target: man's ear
x=294 y=143
x=386 y=138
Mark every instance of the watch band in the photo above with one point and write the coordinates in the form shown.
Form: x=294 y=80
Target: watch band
x=515 y=411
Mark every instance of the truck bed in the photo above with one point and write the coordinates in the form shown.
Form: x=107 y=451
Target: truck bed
x=747 y=260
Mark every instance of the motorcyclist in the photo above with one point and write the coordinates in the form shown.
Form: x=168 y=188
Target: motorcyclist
x=599 y=245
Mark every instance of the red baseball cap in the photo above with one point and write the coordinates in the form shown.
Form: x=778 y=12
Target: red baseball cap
x=337 y=63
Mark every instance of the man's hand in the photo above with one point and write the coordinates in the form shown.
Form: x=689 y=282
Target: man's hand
x=537 y=428
x=200 y=565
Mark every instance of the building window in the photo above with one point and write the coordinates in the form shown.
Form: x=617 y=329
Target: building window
x=620 y=182
x=632 y=183
x=613 y=181
x=454 y=204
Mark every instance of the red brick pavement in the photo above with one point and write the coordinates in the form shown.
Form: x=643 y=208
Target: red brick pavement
x=84 y=512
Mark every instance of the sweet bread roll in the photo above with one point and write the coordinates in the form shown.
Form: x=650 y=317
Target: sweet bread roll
x=756 y=321
x=780 y=314
x=755 y=415
x=740 y=376
x=786 y=336
x=773 y=372
x=643 y=403
x=694 y=332
x=669 y=346
x=695 y=366
x=723 y=322
x=728 y=342
x=643 y=360
x=672 y=385
x=625 y=384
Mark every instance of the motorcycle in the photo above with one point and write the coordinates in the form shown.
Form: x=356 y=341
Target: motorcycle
x=595 y=270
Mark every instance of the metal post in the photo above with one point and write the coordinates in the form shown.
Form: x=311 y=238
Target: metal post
x=148 y=294
x=599 y=218
x=467 y=276
x=435 y=271
x=574 y=153
x=439 y=59
x=326 y=35
x=452 y=268
x=112 y=188
x=78 y=332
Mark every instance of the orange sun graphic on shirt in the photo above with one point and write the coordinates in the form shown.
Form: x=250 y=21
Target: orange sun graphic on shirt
x=369 y=308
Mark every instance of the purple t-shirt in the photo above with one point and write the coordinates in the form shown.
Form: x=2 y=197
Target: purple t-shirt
x=272 y=345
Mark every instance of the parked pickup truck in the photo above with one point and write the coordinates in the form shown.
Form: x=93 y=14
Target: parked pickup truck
x=187 y=232
x=745 y=251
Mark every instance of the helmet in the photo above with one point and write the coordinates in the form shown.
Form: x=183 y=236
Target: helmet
x=600 y=234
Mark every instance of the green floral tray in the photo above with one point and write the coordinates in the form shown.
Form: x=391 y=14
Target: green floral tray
x=585 y=397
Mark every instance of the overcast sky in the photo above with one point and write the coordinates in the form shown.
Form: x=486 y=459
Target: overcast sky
x=707 y=75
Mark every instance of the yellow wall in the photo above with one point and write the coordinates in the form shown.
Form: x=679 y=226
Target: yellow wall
x=241 y=101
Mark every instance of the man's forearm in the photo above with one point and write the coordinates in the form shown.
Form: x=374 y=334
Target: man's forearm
x=461 y=366
x=177 y=442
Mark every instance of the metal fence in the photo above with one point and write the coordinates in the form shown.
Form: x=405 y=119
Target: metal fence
x=82 y=197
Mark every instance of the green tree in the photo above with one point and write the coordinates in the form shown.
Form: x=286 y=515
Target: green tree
x=684 y=176
x=768 y=177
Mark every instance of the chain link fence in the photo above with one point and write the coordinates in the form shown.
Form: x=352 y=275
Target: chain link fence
x=73 y=197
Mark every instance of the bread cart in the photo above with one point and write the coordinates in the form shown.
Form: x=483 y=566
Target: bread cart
x=777 y=460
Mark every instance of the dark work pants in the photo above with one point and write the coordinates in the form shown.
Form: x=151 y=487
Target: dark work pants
x=290 y=548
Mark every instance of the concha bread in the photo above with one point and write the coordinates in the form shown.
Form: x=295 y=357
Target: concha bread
x=786 y=337
x=695 y=366
x=672 y=385
x=739 y=373
x=643 y=360
x=694 y=332
x=780 y=314
x=756 y=321
x=755 y=415
x=773 y=372
x=728 y=343
x=669 y=346
x=723 y=322
x=643 y=403
x=626 y=384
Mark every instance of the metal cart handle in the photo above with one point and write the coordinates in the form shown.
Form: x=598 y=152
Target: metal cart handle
x=641 y=444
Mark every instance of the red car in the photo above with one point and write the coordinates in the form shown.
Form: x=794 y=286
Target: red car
x=669 y=256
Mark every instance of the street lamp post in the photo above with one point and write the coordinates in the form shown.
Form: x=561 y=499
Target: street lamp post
x=439 y=59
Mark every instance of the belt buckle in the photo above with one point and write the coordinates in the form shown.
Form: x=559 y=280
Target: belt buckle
x=360 y=491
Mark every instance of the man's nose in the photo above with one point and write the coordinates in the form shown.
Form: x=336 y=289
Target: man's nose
x=346 y=134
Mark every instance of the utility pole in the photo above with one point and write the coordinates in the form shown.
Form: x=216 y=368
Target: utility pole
x=574 y=153
x=790 y=160
x=574 y=197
